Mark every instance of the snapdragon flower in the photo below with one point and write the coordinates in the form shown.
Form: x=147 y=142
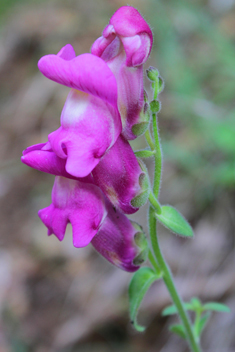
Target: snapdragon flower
x=97 y=173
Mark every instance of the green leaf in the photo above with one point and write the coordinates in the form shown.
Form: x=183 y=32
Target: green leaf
x=218 y=307
x=139 y=285
x=174 y=221
x=196 y=304
x=202 y=324
x=173 y=310
x=178 y=330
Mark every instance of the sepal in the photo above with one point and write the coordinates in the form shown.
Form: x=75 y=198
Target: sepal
x=142 y=243
x=143 y=121
x=141 y=198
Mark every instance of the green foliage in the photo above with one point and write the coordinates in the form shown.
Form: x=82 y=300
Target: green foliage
x=139 y=128
x=141 y=242
x=174 y=221
x=201 y=321
x=198 y=328
x=139 y=285
x=155 y=106
x=178 y=330
x=173 y=310
x=152 y=74
x=217 y=307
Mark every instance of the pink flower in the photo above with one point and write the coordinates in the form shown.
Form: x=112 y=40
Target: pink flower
x=93 y=219
x=81 y=204
x=90 y=121
x=120 y=176
x=118 y=173
x=98 y=177
x=125 y=45
x=115 y=241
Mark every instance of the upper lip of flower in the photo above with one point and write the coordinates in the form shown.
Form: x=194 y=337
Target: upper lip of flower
x=85 y=133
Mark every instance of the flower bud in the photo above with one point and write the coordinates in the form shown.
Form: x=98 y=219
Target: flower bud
x=152 y=73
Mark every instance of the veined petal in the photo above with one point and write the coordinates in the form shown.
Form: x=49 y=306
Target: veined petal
x=115 y=240
x=119 y=176
x=81 y=204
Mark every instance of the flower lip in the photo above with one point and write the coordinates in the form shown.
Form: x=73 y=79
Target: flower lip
x=86 y=72
x=127 y=22
x=47 y=161
x=134 y=33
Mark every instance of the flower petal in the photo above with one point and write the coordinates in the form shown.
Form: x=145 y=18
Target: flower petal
x=119 y=176
x=89 y=127
x=47 y=161
x=67 y=52
x=115 y=240
x=81 y=204
x=85 y=72
x=125 y=45
x=127 y=22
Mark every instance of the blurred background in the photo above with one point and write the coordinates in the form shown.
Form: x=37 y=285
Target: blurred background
x=54 y=297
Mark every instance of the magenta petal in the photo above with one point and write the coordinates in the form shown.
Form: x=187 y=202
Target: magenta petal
x=115 y=240
x=67 y=52
x=125 y=45
x=118 y=174
x=47 y=161
x=55 y=220
x=81 y=204
x=44 y=160
x=137 y=49
x=86 y=72
x=127 y=22
x=89 y=126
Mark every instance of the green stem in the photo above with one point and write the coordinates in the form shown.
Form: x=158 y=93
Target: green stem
x=155 y=203
x=196 y=323
x=157 y=157
x=154 y=263
x=149 y=140
x=167 y=277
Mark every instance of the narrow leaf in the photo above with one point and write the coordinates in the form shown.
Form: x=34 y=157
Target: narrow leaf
x=202 y=324
x=218 y=307
x=139 y=285
x=174 y=221
x=173 y=310
x=178 y=330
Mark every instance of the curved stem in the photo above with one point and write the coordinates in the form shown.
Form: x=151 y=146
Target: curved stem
x=167 y=276
x=154 y=263
x=149 y=140
x=155 y=203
